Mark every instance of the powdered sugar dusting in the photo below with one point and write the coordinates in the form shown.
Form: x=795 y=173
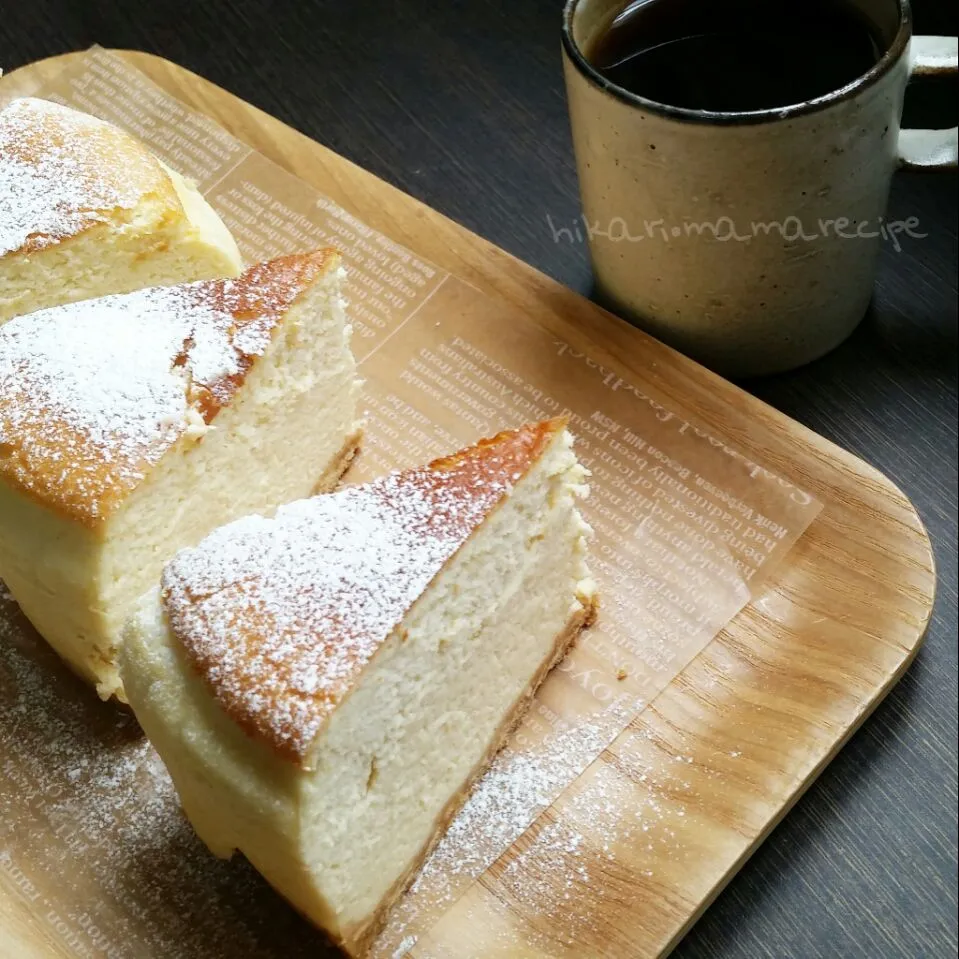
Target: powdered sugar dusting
x=54 y=181
x=90 y=390
x=281 y=615
x=92 y=394
x=92 y=836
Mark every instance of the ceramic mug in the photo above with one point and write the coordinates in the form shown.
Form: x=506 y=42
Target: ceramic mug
x=747 y=240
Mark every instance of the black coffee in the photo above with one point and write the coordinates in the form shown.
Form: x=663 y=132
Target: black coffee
x=736 y=55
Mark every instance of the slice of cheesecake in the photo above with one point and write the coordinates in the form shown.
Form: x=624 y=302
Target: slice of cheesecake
x=132 y=425
x=324 y=685
x=87 y=210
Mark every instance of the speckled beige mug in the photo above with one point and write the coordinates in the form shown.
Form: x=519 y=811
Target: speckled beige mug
x=747 y=240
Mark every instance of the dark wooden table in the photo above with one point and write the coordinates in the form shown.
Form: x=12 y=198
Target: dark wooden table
x=462 y=105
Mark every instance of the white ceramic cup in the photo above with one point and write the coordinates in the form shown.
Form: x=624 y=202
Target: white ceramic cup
x=747 y=240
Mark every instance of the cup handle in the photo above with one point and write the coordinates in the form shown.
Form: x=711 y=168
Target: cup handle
x=931 y=149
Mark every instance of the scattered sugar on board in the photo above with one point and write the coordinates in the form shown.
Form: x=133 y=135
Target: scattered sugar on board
x=89 y=817
x=516 y=788
x=551 y=872
x=49 y=187
x=553 y=876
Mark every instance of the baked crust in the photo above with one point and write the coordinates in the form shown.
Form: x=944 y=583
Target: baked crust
x=81 y=449
x=340 y=464
x=240 y=604
x=63 y=172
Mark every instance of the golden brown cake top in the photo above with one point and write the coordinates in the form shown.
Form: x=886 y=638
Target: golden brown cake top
x=92 y=394
x=63 y=172
x=280 y=616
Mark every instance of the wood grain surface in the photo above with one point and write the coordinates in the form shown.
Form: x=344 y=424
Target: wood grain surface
x=464 y=108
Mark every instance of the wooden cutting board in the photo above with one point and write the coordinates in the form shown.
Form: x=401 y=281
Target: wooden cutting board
x=723 y=752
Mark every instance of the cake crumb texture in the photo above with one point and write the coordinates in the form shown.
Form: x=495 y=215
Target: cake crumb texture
x=280 y=616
